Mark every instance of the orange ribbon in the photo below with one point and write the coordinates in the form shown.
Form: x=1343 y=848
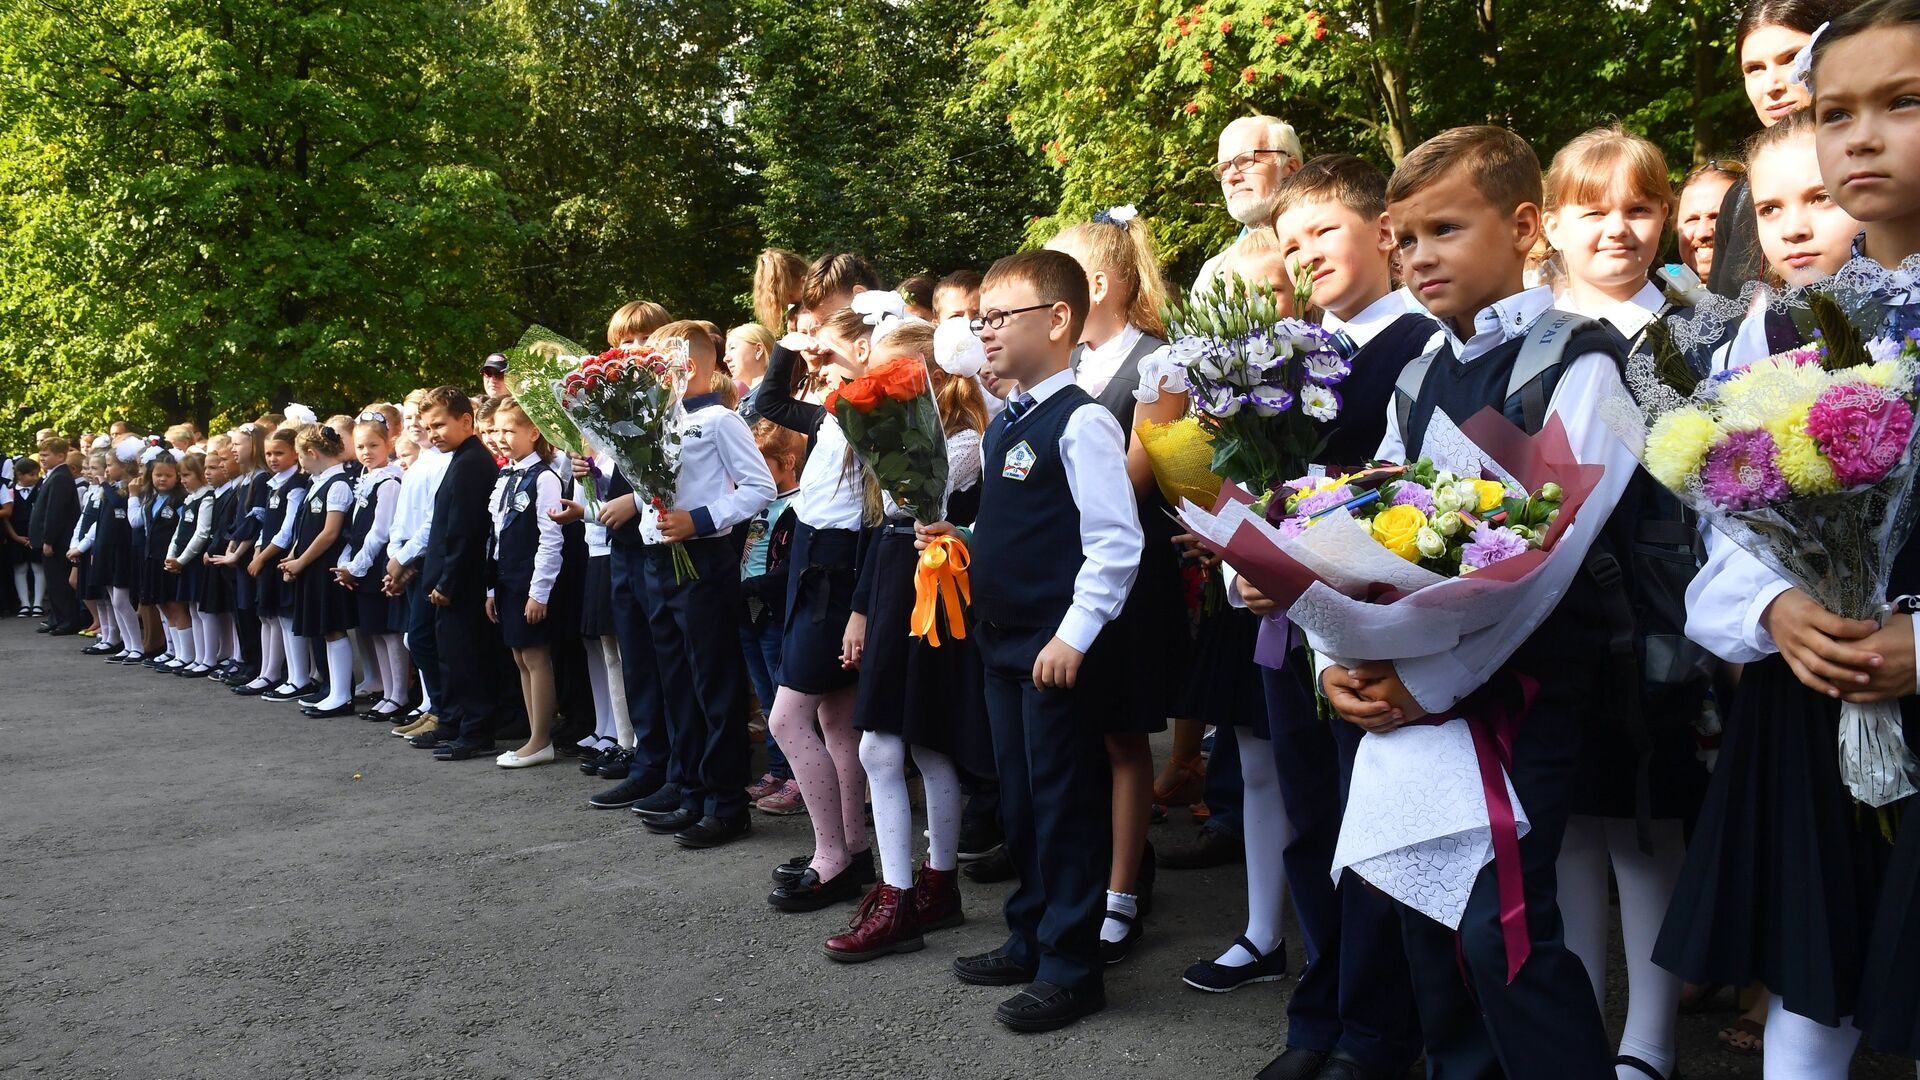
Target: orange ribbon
x=941 y=580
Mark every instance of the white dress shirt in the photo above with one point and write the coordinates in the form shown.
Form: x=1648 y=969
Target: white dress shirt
x=832 y=487
x=1440 y=680
x=723 y=477
x=276 y=485
x=1375 y=318
x=1099 y=364
x=386 y=481
x=338 y=499
x=413 y=519
x=1093 y=450
x=546 y=500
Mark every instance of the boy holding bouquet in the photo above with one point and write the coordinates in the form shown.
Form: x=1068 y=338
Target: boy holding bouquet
x=1465 y=211
x=1055 y=549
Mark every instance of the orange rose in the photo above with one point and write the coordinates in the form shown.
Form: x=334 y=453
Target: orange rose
x=862 y=394
x=901 y=379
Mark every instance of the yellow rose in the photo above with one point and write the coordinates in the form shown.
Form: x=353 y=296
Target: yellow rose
x=1398 y=530
x=1492 y=494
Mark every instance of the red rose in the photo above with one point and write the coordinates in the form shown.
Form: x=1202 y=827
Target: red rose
x=902 y=379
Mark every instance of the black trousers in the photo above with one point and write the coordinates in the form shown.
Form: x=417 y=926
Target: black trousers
x=640 y=671
x=1355 y=995
x=246 y=626
x=420 y=640
x=64 y=609
x=703 y=675
x=469 y=648
x=1056 y=788
x=1545 y=1024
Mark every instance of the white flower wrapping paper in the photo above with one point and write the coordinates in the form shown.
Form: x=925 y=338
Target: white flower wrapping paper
x=1424 y=844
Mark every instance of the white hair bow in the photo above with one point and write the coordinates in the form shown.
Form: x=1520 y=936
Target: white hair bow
x=884 y=311
x=128 y=450
x=1802 y=70
x=957 y=350
x=1118 y=215
x=300 y=414
x=151 y=452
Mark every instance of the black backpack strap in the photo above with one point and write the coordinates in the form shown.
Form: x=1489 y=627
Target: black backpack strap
x=1623 y=675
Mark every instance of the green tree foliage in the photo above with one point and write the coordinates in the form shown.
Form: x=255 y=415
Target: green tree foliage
x=210 y=205
x=861 y=143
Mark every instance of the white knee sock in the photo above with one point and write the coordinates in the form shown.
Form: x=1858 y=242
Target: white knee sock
x=617 y=691
x=1584 y=908
x=602 y=703
x=1646 y=885
x=298 y=667
x=40 y=586
x=339 y=673
x=109 y=626
x=885 y=759
x=369 y=664
x=127 y=618
x=183 y=645
x=397 y=675
x=273 y=653
x=1803 y=1049
x=941 y=783
x=1267 y=829
x=22 y=587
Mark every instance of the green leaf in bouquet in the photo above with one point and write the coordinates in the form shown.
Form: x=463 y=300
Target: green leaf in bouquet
x=1669 y=363
x=1842 y=345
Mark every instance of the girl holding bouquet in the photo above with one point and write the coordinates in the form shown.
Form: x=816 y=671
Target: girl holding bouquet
x=1123 y=327
x=1788 y=879
x=914 y=694
x=1608 y=198
x=815 y=684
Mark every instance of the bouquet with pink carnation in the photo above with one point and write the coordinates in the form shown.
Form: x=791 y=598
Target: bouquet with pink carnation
x=1805 y=459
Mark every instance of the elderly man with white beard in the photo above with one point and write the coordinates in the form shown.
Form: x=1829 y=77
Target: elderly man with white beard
x=1256 y=153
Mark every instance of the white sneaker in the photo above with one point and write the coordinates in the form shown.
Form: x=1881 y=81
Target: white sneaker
x=511 y=760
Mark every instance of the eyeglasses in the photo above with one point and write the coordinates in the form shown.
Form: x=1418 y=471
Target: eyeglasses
x=994 y=320
x=1241 y=163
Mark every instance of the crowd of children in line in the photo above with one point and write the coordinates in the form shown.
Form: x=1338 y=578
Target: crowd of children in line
x=430 y=545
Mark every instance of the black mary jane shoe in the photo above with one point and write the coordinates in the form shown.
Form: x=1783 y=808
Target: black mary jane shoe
x=1112 y=952
x=1632 y=1062
x=1217 y=978
x=1042 y=1006
x=789 y=872
x=318 y=713
x=809 y=893
x=99 y=648
x=294 y=694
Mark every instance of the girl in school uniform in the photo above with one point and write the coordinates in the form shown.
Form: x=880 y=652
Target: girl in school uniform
x=250 y=495
x=914 y=696
x=190 y=534
x=87 y=563
x=363 y=559
x=1123 y=327
x=216 y=601
x=763 y=595
x=159 y=590
x=321 y=611
x=285 y=672
x=527 y=555
x=816 y=686
x=119 y=558
x=608 y=750
x=1608 y=199
x=29 y=581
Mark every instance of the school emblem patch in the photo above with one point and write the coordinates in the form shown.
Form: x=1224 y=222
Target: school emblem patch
x=521 y=501
x=1019 y=462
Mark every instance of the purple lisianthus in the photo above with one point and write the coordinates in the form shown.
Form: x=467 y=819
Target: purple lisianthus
x=1327 y=367
x=1491 y=544
x=1267 y=400
x=1408 y=493
x=1325 y=500
x=1743 y=472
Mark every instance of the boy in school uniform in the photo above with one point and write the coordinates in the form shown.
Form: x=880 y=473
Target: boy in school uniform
x=454 y=573
x=56 y=511
x=1351 y=1014
x=1056 y=546
x=1465 y=211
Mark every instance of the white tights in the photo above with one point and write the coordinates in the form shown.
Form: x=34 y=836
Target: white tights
x=1268 y=831
x=885 y=758
x=1803 y=1049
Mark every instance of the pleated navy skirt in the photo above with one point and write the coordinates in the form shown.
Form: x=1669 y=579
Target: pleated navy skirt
x=819 y=599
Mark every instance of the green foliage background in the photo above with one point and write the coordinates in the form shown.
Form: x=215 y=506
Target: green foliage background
x=209 y=207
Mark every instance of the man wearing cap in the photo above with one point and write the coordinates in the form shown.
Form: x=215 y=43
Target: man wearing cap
x=493 y=375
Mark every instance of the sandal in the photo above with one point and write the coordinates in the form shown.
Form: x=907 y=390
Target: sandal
x=1182 y=781
x=1745 y=1035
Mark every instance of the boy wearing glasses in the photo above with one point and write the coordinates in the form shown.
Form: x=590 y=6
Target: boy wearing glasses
x=1055 y=550
x=1256 y=153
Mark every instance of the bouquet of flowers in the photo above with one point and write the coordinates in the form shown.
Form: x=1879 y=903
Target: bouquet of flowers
x=892 y=421
x=627 y=400
x=1806 y=460
x=537 y=366
x=1261 y=383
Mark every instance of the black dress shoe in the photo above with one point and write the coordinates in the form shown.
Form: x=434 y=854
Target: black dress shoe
x=99 y=648
x=456 y=752
x=432 y=740
x=664 y=800
x=811 y=894
x=789 y=872
x=1217 y=978
x=1341 y=1067
x=290 y=695
x=712 y=831
x=677 y=821
x=63 y=631
x=1294 y=1063
x=995 y=968
x=252 y=691
x=1046 y=1007
x=43 y=628
x=615 y=764
x=590 y=761
x=317 y=713
x=995 y=867
x=1213 y=847
x=624 y=794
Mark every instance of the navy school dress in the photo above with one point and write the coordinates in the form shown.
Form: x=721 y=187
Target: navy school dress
x=162 y=517
x=514 y=546
x=120 y=560
x=596 y=591
x=321 y=606
x=93 y=568
x=190 y=582
x=23 y=502
x=217 y=592
x=929 y=696
x=250 y=512
x=375 y=612
x=274 y=598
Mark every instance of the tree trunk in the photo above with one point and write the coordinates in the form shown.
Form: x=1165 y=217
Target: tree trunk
x=1705 y=59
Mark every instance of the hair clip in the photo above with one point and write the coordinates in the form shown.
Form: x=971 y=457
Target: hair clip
x=373 y=416
x=327 y=430
x=1121 y=216
x=1802 y=70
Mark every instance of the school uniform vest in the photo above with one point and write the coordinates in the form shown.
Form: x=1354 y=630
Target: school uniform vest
x=361 y=523
x=1353 y=438
x=1117 y=396
x=163 y=516
x=247 y=525
x=23 y=509
x=519 y=535
x=313 y=514
x=190 y=511
x=279 y=504
x=226 y=506
x=116 y=531
x=1026 y=548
